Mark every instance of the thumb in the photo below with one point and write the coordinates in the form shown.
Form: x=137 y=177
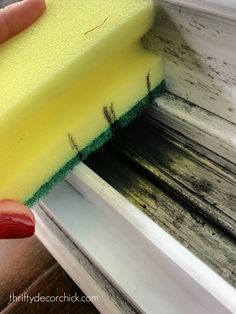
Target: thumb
x=16 y=17
x=16 y=220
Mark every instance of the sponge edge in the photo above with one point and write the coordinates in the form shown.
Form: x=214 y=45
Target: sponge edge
x=95 y=145
x=68 y=106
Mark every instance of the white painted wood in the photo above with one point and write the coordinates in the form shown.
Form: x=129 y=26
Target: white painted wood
x=197 y=124
x=152 y=269
x=222 y=8
x=76 y=264
x=199 y=51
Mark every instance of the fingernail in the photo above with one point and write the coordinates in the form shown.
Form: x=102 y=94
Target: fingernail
x=15 y=226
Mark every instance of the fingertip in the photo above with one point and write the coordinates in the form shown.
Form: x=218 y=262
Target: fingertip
x=16 y=220
x=30 y=10
x=38 y=6
x=18 y=16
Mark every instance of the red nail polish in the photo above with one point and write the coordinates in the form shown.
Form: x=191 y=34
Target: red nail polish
x=15 y=226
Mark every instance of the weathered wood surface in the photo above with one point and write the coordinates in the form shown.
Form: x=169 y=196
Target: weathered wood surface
x=204 y=131
x=226 y=9
x=187 y=175
x=199 y=53
x=139 y=169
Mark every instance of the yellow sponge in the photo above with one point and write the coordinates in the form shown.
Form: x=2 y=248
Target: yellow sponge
x=66 y=83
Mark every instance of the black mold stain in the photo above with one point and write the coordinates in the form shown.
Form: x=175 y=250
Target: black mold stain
x=202 y=186
x=231 y=197
x=113 y=114
x=73 y=143
x=109 y=114
x=149 y=89
x=178 y=221
x=195 y=26
x=211 y=76
x=148 y=83
x=197 y=219
x=197 y=23
x=164 y=40
x=188 y=81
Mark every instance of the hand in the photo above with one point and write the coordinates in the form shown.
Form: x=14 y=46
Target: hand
x=16 y=220
x=16 y=17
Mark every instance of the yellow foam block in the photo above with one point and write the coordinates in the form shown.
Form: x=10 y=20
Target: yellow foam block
x=65 y=83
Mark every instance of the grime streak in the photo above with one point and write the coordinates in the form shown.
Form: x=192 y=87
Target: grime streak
x=109 y=114
x=96 y=26
x=73 y=143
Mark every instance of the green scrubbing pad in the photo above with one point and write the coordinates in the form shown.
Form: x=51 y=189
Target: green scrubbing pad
x=65 y=83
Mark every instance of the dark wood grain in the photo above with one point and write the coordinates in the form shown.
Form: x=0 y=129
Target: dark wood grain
x=26 y=267
x=21 y=263
x=55 y=282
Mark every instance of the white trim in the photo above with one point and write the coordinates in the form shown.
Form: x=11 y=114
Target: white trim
x=149 y=266
x=198 y=54
x=221 y=8
x=76 y=264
